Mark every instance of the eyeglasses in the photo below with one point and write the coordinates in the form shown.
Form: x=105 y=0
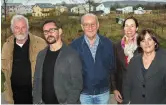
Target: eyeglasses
x=89 y=25
x=51 y=30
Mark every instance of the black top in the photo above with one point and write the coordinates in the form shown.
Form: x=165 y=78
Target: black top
x=21 y=74
x=144 y=70
x=48 y=91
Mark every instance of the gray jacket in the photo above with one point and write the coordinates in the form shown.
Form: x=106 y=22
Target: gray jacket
x=150 y=89
x=67 y=76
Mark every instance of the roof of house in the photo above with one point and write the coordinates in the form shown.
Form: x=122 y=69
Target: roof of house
x=12 y=4
x=45 y=5
x=96 y=4
x=107 y=4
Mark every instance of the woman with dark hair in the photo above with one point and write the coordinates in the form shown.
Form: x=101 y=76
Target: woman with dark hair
x=145 y=82
x=124 y=50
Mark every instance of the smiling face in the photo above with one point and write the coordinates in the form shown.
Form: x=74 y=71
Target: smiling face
x=130 y=28
x=90 y=26
x=148 y=44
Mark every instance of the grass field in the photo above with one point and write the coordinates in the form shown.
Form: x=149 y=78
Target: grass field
x=108 y=27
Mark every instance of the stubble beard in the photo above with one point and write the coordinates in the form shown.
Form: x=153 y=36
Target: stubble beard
x=49 y=40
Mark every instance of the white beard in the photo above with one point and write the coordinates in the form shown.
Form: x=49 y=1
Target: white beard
x=21 y=36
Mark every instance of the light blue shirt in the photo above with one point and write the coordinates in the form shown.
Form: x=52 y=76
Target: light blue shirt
x=93 y=49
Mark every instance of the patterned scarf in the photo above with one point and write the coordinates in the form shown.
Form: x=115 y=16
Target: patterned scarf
x=129 y=48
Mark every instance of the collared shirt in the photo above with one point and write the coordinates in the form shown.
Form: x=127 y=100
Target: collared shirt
x=93 y=48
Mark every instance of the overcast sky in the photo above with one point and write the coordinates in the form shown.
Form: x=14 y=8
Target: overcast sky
x=59 y=1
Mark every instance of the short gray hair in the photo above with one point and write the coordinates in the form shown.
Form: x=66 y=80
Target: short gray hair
x=18 y=17
x=89 y=14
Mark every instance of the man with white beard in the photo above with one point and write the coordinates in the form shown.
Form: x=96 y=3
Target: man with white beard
x=18 y=61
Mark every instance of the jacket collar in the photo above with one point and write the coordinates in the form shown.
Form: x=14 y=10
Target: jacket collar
x=120 y=53
x=62 y=48
x=44 y=51
x=10 y=44
x=84 y=42
x=152 y=70
x=11 y=38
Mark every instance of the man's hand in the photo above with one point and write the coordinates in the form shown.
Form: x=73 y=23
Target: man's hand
x=117 y=96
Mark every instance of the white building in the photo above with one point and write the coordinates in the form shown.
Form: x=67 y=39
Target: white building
x=17 y=8
x=104 y=7
x=11 y=8
x=23 y=9
x=61 y=9
x=125 y=10
x=82 y=9
x=139 y=10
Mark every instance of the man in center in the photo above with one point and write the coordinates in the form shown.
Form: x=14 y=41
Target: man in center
x=97 y=55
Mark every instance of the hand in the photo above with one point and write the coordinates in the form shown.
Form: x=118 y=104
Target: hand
x=117 y=96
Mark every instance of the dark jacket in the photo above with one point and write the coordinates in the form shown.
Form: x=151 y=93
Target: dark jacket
x=67 y=76
x=96 y=75
x=150 y=89
x=120 y=69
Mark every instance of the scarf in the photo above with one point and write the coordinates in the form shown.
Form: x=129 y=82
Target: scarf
x=129 y=47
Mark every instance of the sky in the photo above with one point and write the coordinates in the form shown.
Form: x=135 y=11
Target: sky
x=59 y=1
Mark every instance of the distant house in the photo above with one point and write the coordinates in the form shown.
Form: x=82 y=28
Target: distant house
x=42 y=9
x=82 y=8
x=139 y=10
x=11 y=8
x=24 y=9
x=103 y=7
x=61 y=9
x=125 y=10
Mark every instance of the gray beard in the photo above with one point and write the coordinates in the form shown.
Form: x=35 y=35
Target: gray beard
x=21 y=36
